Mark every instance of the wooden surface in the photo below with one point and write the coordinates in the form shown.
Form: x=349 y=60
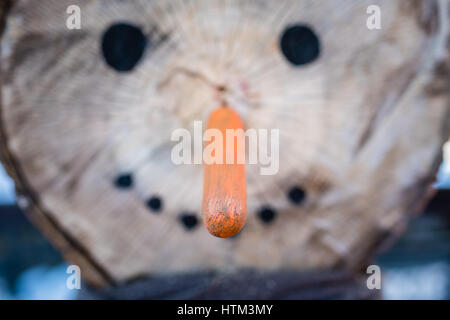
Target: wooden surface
x=242 y=285
x=364 y=123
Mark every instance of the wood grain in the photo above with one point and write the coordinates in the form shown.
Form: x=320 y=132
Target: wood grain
x=361 y=128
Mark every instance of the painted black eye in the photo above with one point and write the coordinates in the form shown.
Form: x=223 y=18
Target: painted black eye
x=296 y=195
x=123 y=45
x=300 y=45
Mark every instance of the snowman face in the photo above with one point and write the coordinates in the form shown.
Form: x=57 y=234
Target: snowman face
x=89 y=114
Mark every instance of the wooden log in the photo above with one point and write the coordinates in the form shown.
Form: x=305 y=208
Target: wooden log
x=362 y=117
x=246 y=284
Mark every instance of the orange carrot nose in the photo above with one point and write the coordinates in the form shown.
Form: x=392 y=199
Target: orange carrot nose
x=224 y=191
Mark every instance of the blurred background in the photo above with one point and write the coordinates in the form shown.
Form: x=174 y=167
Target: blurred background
x=416 y=267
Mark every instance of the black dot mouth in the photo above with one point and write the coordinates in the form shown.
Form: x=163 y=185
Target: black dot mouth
x=189 y=220
x=296 y=195
x=155 y=204
x=267 y=214
x=124 y=181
